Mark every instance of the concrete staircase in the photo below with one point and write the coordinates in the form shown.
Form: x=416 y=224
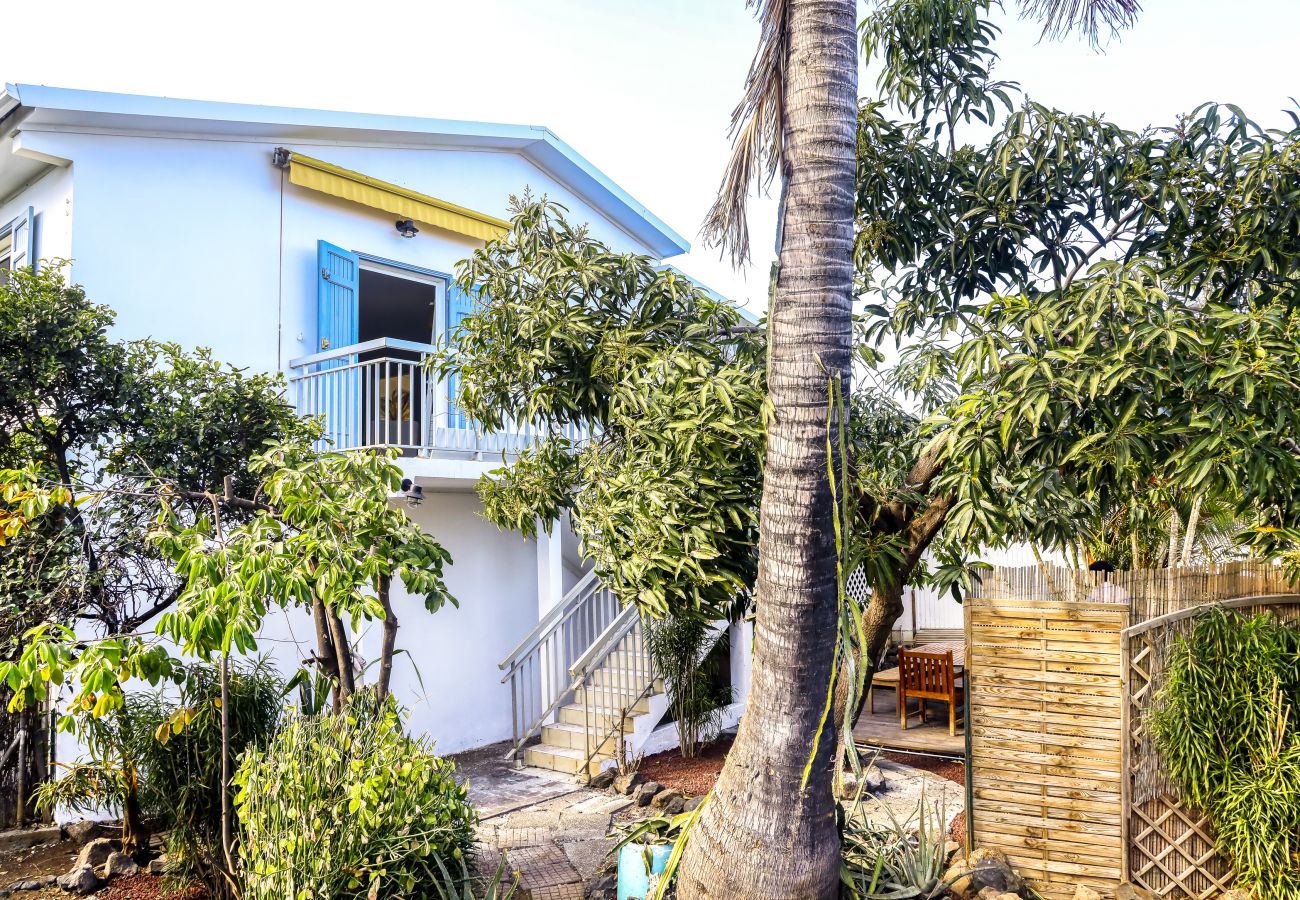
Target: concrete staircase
x=564 y=742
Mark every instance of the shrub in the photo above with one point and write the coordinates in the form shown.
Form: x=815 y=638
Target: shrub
x=347 y=807
x=682 y=648
x=180 y=760
x=1227 y=724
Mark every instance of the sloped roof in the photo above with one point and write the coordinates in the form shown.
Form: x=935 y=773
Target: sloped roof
x=40 y=105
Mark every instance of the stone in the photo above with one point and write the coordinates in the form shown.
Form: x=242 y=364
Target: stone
x=158 y=866
x=626 y=784
x=1230 y=894
x=990 y=869
x=96 y=853
x=32 y=884
x=666 y=796
x=874 y=780
x=957 y=877
x=81 y=880
x=587 y=856
x=1083 y=892
x=646 y=792
x=118 y=864
x=674 y=807
x=1130 y=891
x=693 y=804
x=950 y=850
x=989 y=893
x=604 y=780
x=602 y=887
x=83 y=831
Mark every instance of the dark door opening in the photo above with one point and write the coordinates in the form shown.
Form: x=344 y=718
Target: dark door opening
x=394 y=399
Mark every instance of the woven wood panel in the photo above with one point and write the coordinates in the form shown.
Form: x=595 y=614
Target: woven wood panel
x=1047 y=739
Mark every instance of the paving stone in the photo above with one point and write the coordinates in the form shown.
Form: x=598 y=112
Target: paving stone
x=540 y=867
x=588 y=857
x=509 y=837
x=584 y=821
x=557 y=892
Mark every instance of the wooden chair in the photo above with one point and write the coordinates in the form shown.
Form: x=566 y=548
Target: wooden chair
x=928 y=676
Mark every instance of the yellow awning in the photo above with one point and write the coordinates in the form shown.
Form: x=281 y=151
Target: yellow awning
x=337 y=181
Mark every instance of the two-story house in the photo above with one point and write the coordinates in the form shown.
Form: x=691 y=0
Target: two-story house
x=318 y=244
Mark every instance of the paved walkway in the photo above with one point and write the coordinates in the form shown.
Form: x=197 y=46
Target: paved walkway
x=553 y=832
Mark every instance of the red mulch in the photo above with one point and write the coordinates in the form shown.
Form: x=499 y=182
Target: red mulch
x=147 y=887
x=690 y=776
x=957 y=829
x=950 y=769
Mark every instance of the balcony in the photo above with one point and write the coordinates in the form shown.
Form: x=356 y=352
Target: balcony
x=378 y=394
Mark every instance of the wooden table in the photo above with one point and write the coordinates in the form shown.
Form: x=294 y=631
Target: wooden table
x=958 y=649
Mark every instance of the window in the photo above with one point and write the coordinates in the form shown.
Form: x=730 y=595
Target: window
x=16 y=247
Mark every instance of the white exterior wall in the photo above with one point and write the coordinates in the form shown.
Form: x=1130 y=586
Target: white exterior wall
x=50 y=196
x=202 y=241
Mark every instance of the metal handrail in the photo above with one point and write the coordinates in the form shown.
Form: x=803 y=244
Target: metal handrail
x=538 y=669
x=565 y=608
x=606 y=643
x=383 y=343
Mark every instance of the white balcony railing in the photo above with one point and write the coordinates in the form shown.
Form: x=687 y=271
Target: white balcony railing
x=378 y=394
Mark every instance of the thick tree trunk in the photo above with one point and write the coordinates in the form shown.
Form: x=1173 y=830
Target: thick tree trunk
x=345 y=686
x=763 y=834
x=390 y=637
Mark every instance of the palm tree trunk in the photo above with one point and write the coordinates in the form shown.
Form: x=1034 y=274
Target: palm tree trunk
x=764 y=834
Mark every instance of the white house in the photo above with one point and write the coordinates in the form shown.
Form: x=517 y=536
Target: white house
x=318 y=244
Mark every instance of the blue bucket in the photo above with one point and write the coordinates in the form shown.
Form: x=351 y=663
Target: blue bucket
x=633 y=878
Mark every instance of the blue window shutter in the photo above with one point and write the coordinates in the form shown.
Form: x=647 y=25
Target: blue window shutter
x=23 y=232
x=459 y=305
x=337 y=281
x=336 y=296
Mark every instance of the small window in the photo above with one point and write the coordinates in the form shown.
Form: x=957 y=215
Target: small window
x=6 y=257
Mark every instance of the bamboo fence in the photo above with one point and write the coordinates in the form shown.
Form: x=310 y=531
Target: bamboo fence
x=1063 y=668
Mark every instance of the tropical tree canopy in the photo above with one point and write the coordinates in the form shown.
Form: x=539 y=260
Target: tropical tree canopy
x=1062 y=319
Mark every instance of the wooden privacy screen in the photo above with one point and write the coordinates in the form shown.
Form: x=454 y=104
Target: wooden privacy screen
x=1047 y=739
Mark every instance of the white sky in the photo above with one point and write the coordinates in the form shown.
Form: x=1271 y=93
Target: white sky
x=642 y=88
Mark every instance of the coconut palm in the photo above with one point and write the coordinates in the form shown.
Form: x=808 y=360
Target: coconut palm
x=769 y=829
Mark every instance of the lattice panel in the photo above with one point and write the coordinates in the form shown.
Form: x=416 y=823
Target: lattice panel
x=1171 y=851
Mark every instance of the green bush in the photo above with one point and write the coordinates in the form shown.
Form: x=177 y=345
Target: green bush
x=1227 y=724
x=179 y=757
x=684 y=649
x=348 y=807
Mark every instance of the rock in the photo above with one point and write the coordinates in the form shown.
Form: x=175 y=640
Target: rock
x=693 y=804
x=1130 y=891
x=118 y=864
x=96 y=853
x=666 y=796
x=83 y=831
x=1083 y=892
x=957 y=877
x=81 y=880
x=990 y=869
x=874 y=780
x=646 y=792
x=604 y=779
x=626 y=784
x=602 y=887
x=1230 y=894
x=989 y=893
x=950 y=850
x=158 y=866
x=674 y=807
x=31 y=884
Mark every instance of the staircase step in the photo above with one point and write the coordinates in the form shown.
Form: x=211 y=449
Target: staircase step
x=575 y=714
x=614 y=698
x=565 y=734
x=561 y=759
x=618 y=679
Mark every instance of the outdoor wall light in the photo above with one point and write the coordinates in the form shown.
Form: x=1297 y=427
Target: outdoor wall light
x=413 y=493
x=406 y=228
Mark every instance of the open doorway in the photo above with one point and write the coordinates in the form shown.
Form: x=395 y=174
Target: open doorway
x=396 y=403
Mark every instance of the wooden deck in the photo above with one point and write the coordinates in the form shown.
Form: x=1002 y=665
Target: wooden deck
x=881 y=731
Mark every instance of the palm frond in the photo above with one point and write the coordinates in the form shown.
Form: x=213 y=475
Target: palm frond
x=757 y=128
x=1088 y=17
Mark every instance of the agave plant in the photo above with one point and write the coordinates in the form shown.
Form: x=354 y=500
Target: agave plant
x=894 y=861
